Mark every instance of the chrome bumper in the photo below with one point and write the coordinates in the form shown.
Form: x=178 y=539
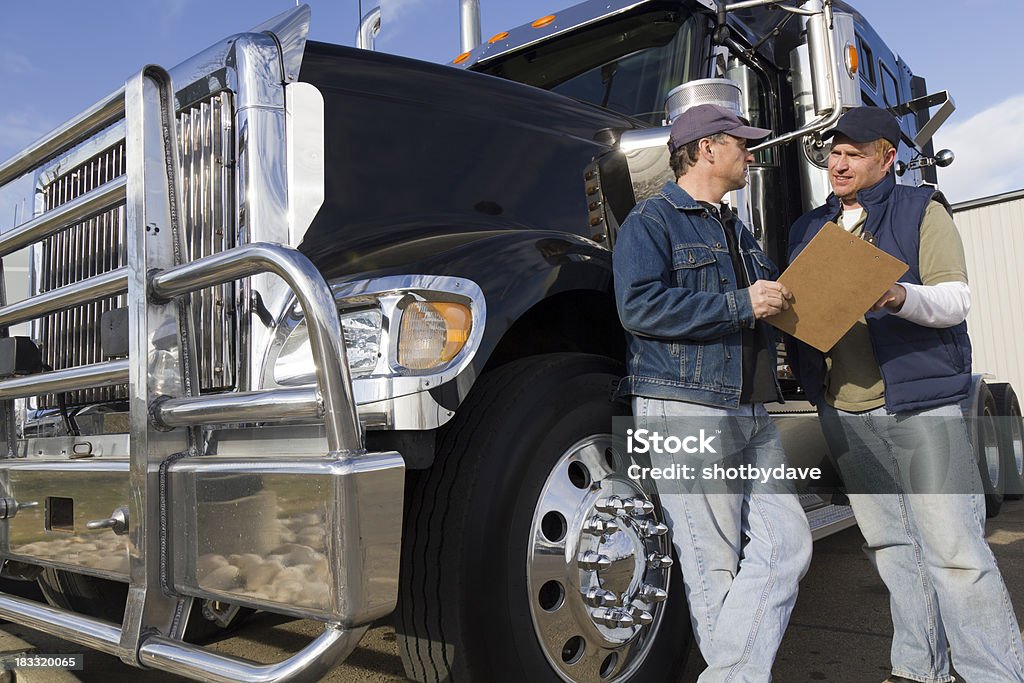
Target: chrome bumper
x=313 y=534
x=311 y=537
x=301 y=534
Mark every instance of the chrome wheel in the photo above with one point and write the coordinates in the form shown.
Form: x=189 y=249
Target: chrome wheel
x=1016 y=429
x=597 y=566
x=990 y=447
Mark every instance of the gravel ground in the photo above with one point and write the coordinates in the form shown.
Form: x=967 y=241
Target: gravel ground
x=839 y=632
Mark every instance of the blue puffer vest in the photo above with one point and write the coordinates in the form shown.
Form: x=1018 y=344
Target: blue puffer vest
x=922 y=367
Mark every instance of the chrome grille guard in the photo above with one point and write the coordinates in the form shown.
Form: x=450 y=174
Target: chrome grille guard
x=165 y=404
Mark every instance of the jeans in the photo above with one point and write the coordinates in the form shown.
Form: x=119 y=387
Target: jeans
x=928 y=548
x=742 y=554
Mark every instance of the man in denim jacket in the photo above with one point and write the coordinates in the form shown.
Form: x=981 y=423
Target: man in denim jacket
x=691 y=285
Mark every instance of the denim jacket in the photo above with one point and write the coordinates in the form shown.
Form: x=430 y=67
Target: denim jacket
x=677 y=298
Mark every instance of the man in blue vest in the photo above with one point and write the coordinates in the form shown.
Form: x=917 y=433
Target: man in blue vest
x=692 y=287
x=888 y=395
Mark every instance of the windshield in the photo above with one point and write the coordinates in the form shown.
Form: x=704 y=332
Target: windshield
x=627 y=65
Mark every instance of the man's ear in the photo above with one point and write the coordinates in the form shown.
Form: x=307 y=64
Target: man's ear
x=888 y=159
x=705 y=148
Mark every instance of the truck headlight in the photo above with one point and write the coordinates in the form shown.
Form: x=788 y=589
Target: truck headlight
x=432 y=333
x=362 y=330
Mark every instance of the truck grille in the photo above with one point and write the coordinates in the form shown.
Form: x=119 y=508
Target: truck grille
x=72 y=338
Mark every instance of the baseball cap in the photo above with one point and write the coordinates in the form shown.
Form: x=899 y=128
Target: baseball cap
x=707 y=119
x=865 y=124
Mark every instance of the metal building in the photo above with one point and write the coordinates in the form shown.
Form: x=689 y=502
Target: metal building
x=993 y=234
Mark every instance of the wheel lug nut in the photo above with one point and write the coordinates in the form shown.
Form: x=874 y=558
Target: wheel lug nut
x=656 y=561
x=594 y=561
x=599 y=527
x=612 y=618
x=638 y=507
x=611 y=505
x=652 y=594
x=642 y=616
x=599 y=597
x=649 y=529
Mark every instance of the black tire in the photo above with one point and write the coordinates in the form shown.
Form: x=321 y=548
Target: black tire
x=89 y=595
x=105 y=599
x=465 y=608
x=989 y=452
x=1011 y=433
x=22 y=588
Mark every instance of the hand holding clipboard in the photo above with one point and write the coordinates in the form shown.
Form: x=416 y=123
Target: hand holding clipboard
x=835 y=280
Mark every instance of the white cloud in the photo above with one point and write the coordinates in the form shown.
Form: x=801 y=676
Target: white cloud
x=15 y=63
x=397 y=16
x=19 y=128
x=989 y=147
x=171 y=10
x=395 y=8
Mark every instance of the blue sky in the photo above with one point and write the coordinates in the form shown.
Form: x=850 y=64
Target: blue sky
x=59 y=56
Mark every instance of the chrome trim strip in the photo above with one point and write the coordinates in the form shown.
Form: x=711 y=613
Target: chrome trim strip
x=75 y=211
x=343 y=430
x=91 y=633
x=108 y=284
x=304 y=109
x=278 y=405
x=86 y=376
x=309 y=664
x=566 y=20
x=90 y=121
x=27 y=462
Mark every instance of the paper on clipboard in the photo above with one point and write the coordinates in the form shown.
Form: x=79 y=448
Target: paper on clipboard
x=835 y=280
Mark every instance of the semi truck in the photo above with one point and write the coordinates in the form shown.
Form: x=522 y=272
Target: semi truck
x=330 y=333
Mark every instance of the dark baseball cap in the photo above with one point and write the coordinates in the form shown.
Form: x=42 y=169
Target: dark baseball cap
x=866 y=124
x=707 y=119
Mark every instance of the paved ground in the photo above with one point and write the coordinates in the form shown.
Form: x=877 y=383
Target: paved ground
x=839 y=632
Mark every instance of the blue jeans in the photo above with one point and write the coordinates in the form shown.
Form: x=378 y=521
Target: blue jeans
x=742 y=554
x=929 y=548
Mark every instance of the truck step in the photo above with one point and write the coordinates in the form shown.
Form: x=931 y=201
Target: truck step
x=830 y=519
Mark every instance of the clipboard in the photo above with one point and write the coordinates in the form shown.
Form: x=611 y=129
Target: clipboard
x=835 y=280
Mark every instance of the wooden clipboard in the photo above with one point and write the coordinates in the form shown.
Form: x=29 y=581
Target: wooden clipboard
x=835 y=280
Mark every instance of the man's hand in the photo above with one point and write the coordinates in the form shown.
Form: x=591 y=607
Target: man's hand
x=892 y=300
x=768 y=298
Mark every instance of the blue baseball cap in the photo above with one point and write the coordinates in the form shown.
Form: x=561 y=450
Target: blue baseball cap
x=707 y=119
x=866 y=124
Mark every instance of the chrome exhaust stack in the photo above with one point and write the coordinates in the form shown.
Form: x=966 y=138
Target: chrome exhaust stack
x=469 y=14
x=369 y=29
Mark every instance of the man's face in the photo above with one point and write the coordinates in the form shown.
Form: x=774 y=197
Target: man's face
x=731 y=161
x=853 y=166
